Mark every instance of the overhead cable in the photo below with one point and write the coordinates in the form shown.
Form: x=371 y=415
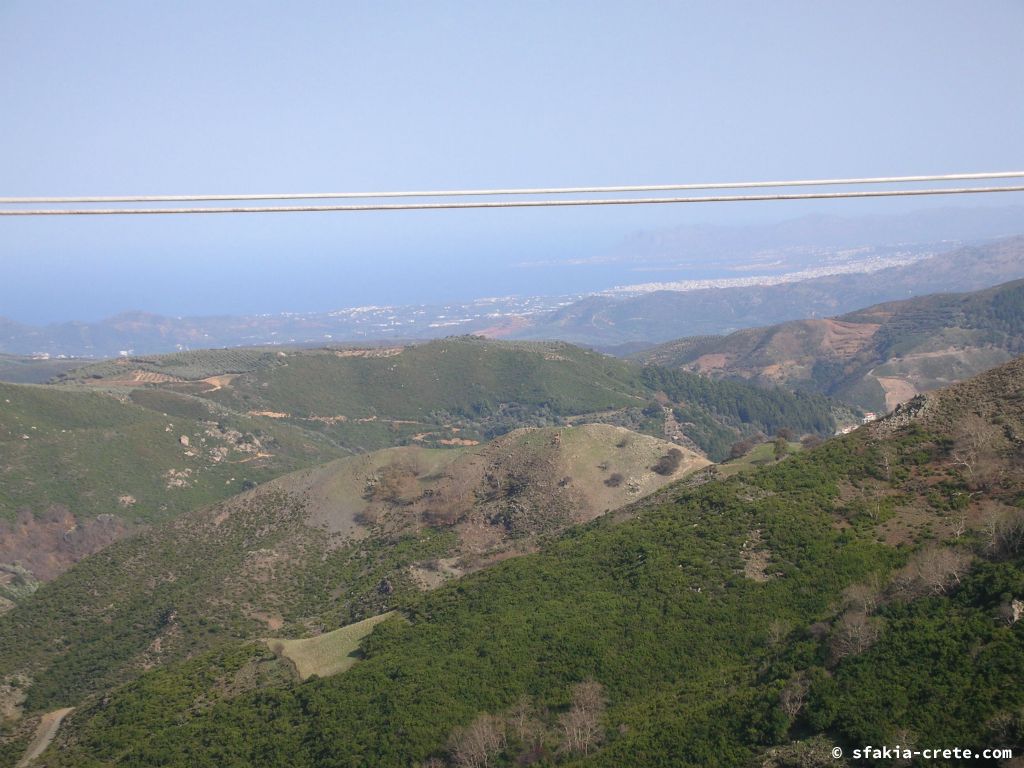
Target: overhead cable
x=513 y=191
x=508 y=203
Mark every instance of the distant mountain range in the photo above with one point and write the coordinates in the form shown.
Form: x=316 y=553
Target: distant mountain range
x=632 y=315
x=664 y=315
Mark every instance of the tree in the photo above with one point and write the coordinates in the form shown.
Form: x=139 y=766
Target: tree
x=940 y=568
x=932 y=571
x=522 y=722
x=781 y=448
x=581 y=725
x=668 y=463
x=479 y=743
x=740 y=448
x=810 y=441
x=614 y=480
x=1005 y=532
x=794 y=695
x=975 y=453
x=863 y=596
x=854 y=633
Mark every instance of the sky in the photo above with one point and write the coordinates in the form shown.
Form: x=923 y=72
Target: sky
x=240 y=97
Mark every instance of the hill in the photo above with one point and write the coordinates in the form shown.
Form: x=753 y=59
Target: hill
x=665 y=315
x=873 y=358
x=124 y=443
x=318 y=549
x=460 y=389
x=864 y=592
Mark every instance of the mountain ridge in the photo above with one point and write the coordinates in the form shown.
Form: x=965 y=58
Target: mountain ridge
x=874 y=357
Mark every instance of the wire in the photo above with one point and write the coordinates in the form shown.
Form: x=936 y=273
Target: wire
x=522 y=191
x=507 y=203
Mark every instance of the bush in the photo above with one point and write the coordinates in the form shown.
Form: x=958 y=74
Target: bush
x=669 y=463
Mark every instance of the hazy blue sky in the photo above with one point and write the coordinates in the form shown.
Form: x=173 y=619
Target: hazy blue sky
x=179 y=97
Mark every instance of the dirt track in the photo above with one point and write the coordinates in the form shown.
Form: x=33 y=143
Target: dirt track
x=46 y=730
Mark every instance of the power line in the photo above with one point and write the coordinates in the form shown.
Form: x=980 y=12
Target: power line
x=515 y=191
x=509 y=203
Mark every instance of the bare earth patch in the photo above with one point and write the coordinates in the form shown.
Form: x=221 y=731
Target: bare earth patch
x=47 y=729
x=431 y=576
x=756 y=558
x=340 y=419
x=712 y=362
x=12 y=696
x=137 y=377
x=897 y=391
x=219 y=382
x=847 y=339
x=273 y=621
x=48 y=544
x=383 y=352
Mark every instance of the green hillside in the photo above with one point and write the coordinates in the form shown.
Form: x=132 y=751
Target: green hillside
x=849 y=594
x=314 y=549
x=372 y=398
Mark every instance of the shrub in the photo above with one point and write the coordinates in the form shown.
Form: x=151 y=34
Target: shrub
x=669 y=463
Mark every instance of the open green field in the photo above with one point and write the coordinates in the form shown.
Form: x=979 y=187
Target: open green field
x=329 y=653
x=758 y=456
